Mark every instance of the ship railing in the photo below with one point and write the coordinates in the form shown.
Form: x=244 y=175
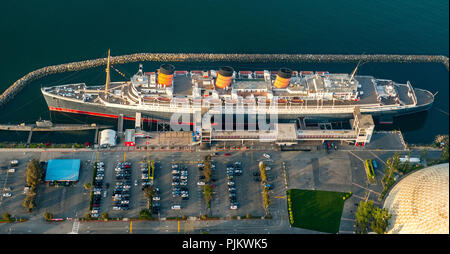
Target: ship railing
x=413 y=92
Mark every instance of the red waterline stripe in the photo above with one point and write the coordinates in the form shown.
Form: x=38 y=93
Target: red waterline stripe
x=102 y=115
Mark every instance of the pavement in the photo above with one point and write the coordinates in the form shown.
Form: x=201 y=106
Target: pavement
x=335 y=171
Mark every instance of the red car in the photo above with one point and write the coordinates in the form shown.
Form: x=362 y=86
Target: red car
x=227 y=154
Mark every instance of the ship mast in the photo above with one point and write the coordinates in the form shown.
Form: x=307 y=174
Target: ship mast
x=108 y=79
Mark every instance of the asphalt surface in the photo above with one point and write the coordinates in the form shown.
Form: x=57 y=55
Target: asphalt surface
x=334 y=171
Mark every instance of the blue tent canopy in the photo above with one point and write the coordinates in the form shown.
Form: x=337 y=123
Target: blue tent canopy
x=63 y=170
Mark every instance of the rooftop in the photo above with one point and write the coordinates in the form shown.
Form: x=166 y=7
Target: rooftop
x=63 y=170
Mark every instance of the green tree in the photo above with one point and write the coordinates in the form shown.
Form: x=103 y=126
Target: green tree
x=48 y=216
x=371 y=218
x=29 y=202
x=34 y=173
x=363 y=217
x=423 y=155
x=444 y=153
x=105 y=215
x=149 y=192
x=87 y=186
x=6 y=217
x=380 y=220
x=145 y=214
x=207 y=193
x=207 y=171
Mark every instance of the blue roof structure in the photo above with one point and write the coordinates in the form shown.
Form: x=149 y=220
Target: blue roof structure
x=63 y=170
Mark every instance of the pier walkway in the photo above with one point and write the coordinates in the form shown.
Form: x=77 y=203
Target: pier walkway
x=9 y=93
x=56 y=127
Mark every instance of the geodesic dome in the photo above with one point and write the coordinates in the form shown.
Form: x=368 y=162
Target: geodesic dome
x=419 y=202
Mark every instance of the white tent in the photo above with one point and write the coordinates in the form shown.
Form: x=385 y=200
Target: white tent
x=107 y=138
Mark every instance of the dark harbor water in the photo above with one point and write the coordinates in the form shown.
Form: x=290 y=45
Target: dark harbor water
x=36 y=35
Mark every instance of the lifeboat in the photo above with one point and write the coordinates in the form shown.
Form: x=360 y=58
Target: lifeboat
x=296 y=101
x=163 y=99
x=149 y=99
x=282 y=101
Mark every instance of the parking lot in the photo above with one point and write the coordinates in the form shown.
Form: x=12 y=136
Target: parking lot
x=335 y=171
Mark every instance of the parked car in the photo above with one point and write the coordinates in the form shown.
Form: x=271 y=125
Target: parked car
x=176 y=207
x=200 y=183
x=266 y=156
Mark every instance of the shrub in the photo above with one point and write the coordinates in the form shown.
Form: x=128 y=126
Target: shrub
x=6 y=217
x=145 y=214
x=48 y=216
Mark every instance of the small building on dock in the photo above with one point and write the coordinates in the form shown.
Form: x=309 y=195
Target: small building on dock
x=130 y=138
x=108 y=138
x=63 y=170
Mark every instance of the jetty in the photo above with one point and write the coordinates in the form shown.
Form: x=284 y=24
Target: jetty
x=9 y=93
x=54 y=127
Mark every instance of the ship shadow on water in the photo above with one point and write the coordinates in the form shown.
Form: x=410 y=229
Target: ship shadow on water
x=405 y=123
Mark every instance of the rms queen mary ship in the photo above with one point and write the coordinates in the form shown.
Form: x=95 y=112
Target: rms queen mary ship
x=290 y=94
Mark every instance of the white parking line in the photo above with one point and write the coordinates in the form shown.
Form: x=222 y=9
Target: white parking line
x=75 y=227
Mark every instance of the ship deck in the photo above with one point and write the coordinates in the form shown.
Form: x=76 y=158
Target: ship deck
x=183 y=88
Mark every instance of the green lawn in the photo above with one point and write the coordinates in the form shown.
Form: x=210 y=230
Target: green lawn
x=317 y=210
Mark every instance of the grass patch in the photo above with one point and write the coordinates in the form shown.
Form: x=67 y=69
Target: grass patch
x=316 y=210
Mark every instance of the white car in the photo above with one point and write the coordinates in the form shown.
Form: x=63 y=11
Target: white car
x=176 y=207
x=156 y=198
x=135 y=182
x=233 y=207
x=94 y=211
x=125 y=202
x=266 y=156
x=200 y=183
x=105 y=193
x=268 y=168
x=116 y=208
x=7 y=195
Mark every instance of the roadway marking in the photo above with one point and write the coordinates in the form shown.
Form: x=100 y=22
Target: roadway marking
x=131 y=227
x=362 y=187
x=75 y=227
x=377 y=157
x=178 y=226
x=279 y=197
x=356 y=156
